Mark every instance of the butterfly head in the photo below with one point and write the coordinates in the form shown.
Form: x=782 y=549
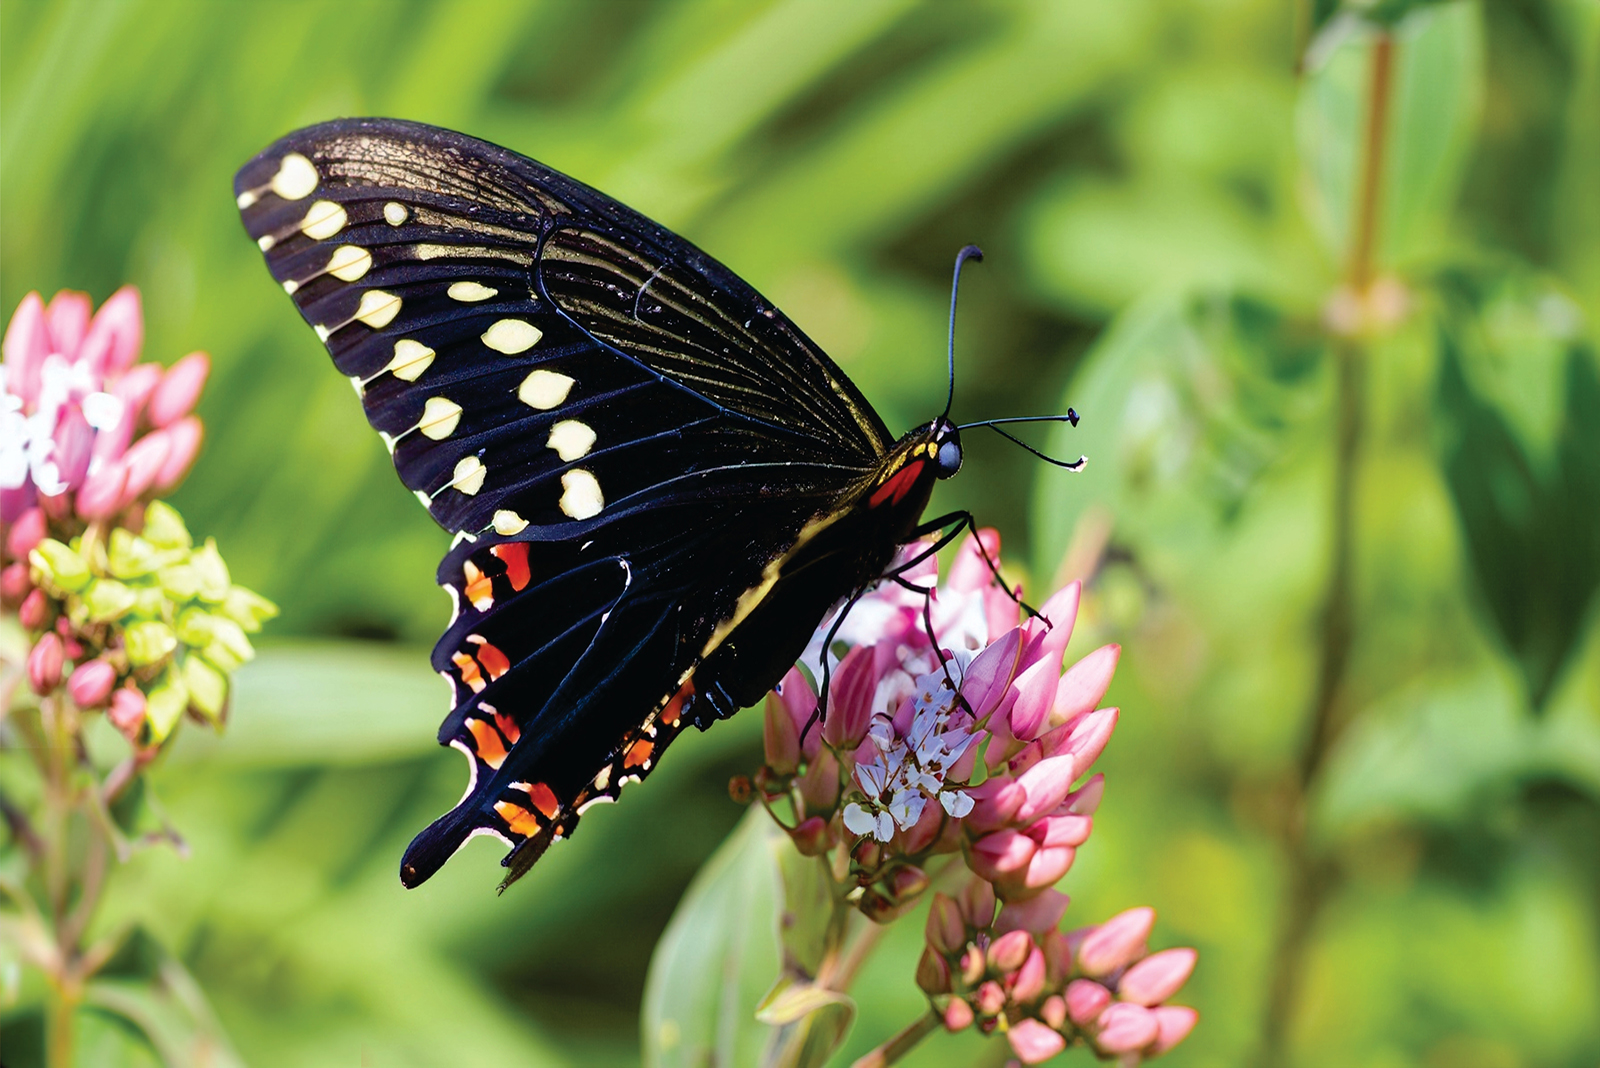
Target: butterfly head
x=945 y=446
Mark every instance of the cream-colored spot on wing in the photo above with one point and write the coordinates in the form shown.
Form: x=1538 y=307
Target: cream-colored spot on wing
x=296 y=177
x=359 y=386
x=427 y=501
x=571 y=439
x=349 y=262
x=410 y=359
x=378 y=308
x=507 y=522
x=470 y=292
x=512 y=336
x=580 y=494
x=323 y=219
x=544 y=389
x=265 y=242
x=440 y=415
x=322 y=332
x=395 y=213
x=468 y=476
x=290 y=286
x=247 y=198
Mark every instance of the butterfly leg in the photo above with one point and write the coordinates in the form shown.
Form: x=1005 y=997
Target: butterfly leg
x=964 y=521
x=820 y=713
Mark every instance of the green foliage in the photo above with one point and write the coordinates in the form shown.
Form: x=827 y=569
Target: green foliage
x=1154 y=179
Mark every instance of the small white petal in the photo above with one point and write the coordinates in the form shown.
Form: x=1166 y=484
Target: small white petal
x=858 y=820
x=885 y=828
x=956 y=802
x=102 y=411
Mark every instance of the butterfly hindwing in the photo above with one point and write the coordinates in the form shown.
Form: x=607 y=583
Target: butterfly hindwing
x=621 y=433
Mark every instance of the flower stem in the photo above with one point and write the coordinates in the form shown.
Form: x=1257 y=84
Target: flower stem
x=1311 y=876
x=901 y=1044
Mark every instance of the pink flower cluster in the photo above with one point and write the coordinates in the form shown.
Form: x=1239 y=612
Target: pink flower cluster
x=86 y=432
x=1047 y=990
x=972 y=747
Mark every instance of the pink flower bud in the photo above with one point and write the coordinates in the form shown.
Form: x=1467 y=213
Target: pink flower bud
x=1044 y=871
x=957 y=1015
x=977 y=904
x=1033 y=1042
x=26 y=345
x=972 y=964
x=990 y=998
x=1085 y=683
x=68 y=319
x=1085 y=800
x=819 y=786
x=945 y=930
x=1089 y=735
x=102 y=492
x=997 y=856
x=1157 y=977
x=1028 y=982
x=996 y=801
x=1173 y=1024
x=812 y=837
x=933 y=973
x=989 y=675
x=143 y=461
x=1061 y=610
x=881 y=909
x=1057 y=957
x=1125 y=1028
x=180 y=388
x=797 y=697
x=1007 y=952
x=1117 y=942
x=134 y=389
x=44 y=663
x=185 y=436
x=1061 y=830
x=969 y=570
x=127 y=711
x=90 y=685
x=35 y=610
x=1086 y=1000
x=25 y=533
x=74 y=440
x=113 y=339
x=1036 y=690
x=907 y=883
x=1036 y=915
x=15 y=582
x=1046 y=784
x=1054 y=1011
x=925 y=832
x=780 y=737
x=850 y=699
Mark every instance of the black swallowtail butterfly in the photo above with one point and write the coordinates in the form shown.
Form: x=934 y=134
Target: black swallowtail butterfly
x=657 y=483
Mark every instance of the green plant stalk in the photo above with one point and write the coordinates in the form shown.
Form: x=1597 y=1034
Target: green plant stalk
x=901 y=1044
x=1312 y=877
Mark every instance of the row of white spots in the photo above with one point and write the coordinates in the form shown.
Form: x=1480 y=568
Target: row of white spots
x=295 y=180
x=512 y=336
x=470 y=292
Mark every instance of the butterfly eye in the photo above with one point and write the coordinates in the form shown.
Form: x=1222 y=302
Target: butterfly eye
x=949 y=458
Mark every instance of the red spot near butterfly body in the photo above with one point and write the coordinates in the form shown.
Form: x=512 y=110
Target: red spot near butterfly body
x=896 y=486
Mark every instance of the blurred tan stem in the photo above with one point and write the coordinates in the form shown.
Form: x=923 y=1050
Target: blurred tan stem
x=1311 y=876
x=901 y=1044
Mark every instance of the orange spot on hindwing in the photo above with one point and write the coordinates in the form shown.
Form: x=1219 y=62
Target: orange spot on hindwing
x=470 y=674
x=490 y=747
x=638 y=755
x=519 y=819
x=508 y=727
x=543 y=798
x=478 y=587
x=674 y=708
x=493 y=660
x=514 y=554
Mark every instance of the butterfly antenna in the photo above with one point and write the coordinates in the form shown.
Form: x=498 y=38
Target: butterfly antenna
x=994 y=424
x=968 y=252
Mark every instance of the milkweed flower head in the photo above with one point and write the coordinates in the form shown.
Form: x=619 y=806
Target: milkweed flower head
x=124 y=611
x=952 y=734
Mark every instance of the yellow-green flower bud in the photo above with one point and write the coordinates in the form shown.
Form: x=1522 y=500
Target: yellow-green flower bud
x=163 y=527
x=165 y=704
x=181 y=582
x=130 y=556
x=148 y=642
x=208 y=687
x=149 y=602
x=59 y=565
x=194 y=628
x=248 y=608
x=228 y=634
x=108 y=599
x=214 y=580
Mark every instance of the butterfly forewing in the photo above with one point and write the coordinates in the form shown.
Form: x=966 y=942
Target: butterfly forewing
x=621 y=433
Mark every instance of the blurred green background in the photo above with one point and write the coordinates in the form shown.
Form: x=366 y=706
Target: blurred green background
x=1164 y=190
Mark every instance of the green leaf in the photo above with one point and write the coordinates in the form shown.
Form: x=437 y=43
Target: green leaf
x=717 y=955
x=1436 y=93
